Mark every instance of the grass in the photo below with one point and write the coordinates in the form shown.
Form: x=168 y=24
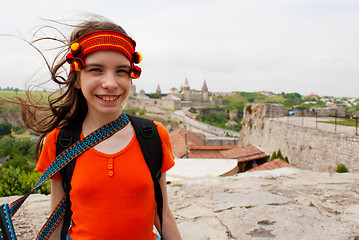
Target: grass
x=9 y=94
x=348 y=123
x=235 y=98
x=274 y=99
x=23 y=135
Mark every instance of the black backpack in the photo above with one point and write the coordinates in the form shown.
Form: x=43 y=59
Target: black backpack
x=151 y=147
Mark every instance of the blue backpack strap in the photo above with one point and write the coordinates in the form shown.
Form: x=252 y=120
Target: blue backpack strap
x=68 y=135
x=7 y=231
x=151 y=147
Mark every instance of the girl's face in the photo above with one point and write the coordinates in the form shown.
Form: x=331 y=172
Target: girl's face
x=105 y=83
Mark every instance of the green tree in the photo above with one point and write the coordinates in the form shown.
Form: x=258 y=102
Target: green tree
x=154 y=95
x=274 y=156
x=5 y=128
x=279 y=155
x=292 y=99
x=21 y=152
x=6 y=145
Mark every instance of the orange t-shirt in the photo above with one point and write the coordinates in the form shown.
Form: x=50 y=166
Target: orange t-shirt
x=112 y=195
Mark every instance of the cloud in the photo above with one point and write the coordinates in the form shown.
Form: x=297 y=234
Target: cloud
x=292 y=46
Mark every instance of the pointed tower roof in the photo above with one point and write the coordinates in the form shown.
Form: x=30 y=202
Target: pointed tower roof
x=204 y=87
x=158 y=90
x=185 y=83
x=185 y=86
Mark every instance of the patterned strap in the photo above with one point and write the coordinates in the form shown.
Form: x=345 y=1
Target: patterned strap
x=53 y=221
x=69 y=154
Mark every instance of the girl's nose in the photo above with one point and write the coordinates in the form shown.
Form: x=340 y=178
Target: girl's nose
x=110 y=82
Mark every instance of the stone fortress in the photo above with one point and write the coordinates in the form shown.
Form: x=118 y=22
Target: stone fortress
x=267 y=127
x=174 y=100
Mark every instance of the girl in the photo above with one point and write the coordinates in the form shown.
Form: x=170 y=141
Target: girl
x=112 y=192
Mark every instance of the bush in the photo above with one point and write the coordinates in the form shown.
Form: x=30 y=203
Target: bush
x=341 y=168
x=134 y=111
x=248 y=109
x=14 y=181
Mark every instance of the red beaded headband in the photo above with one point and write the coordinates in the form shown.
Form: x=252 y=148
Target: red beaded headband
x=104 y=40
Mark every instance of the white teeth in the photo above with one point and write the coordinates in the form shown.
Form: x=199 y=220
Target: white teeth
x=108 y=98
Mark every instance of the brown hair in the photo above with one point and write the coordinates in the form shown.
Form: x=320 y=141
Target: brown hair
x=67 y=105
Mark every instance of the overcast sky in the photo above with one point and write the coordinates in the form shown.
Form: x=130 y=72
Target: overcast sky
x=304 y=46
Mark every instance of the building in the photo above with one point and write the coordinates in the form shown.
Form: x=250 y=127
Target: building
x=174 y=100
x=158 y=90
x=188 y=94
x=187 y=144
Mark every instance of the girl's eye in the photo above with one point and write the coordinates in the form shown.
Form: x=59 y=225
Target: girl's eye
x=94 y=70
x=122 y=71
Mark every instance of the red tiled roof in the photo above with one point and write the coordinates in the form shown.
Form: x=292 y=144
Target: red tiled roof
x=252 y=157
x=178 y=142
x=246 y=153
x=274 y=164
x=212 y=147
x=205 y=155
x=197 y=149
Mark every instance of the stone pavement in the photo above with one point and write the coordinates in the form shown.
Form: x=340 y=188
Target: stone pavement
x=279 y=204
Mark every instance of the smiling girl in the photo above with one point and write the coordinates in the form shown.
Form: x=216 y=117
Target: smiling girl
x=114 y=202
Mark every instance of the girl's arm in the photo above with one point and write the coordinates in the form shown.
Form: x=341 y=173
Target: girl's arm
x=169 y=229
x=57 y=193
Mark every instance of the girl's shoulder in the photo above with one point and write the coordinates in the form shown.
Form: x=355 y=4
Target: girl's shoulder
x=51 y=137
x=162 y=131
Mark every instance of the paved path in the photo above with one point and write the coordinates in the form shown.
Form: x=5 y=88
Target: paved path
x=205 y=127
x=312 y=123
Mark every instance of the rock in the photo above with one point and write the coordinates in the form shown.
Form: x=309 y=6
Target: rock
x=278 y=204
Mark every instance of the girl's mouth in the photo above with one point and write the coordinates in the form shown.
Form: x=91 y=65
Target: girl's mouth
x=108 y=98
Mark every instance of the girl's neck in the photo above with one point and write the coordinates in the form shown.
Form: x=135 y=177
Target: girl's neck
x=91 y=122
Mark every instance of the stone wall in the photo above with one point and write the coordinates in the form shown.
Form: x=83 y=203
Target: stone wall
x=145 y=103
x=306 y=148
x=198 y=104
x=332 y=110
x=217 y=141
x=211 y=111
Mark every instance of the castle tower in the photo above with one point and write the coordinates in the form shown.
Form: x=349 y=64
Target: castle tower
x=185 y=86
x=186 y=91
x=204 y=91
x=133 y=90
x=158 y=90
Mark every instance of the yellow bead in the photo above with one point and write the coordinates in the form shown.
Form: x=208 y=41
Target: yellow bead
x=75 y=46
x=76 y=66
x=139 y=57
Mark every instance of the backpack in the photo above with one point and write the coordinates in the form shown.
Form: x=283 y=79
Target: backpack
x=151 y=147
